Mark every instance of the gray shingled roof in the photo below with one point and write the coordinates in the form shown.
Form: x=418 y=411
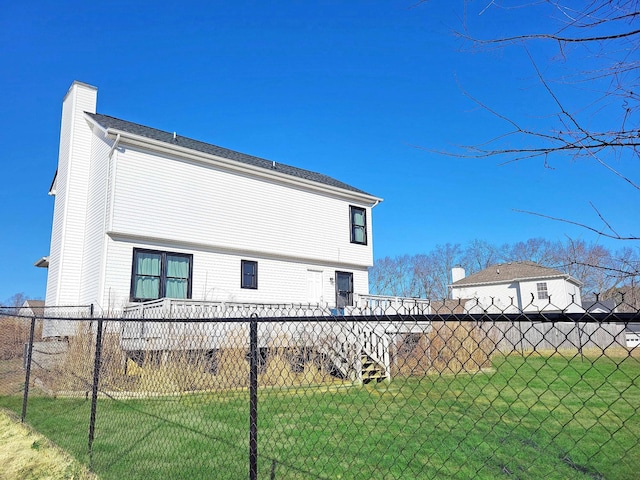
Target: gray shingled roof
x=36 y=307
x=167 y=137
x=507 y=272
x=609 y=304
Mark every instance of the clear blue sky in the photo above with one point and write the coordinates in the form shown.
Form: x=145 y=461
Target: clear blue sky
x=344 y=88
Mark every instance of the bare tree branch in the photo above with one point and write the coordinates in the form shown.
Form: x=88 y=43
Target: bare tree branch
x=614 y=235
x=607 y=125
x=549 y=36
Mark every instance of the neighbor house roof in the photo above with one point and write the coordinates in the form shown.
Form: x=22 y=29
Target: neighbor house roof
x=36 y=307
x=116 y=124
x=512 y=271
x=633 y=327
x=608 y=305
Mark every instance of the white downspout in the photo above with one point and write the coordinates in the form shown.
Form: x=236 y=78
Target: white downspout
x=108 y=194
x=114 y=146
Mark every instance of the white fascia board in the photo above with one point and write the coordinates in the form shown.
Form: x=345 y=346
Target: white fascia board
x=149 y=143
x=564 y=276
x=95 y=124
x=571 y=279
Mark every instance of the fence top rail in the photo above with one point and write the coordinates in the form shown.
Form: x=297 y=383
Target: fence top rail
x=395 y=298
x=537 y=317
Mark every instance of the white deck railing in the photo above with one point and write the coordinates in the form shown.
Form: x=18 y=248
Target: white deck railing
x=188 y=308
x=387 y=305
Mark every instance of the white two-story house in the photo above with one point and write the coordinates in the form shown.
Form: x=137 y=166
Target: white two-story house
x=517 y=287
x=142 y=214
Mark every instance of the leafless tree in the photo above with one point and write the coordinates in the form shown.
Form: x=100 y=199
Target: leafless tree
x=382 y=276
x=16 y=300
x=393 y=276
x=536 y=250
x=593 y=264
x=421 y=275
x=480 y=254
x=427 y=275
x=445 y=257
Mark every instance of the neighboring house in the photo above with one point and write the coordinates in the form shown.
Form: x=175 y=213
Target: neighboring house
x=517 y=286
x=632 y=335
x=32 y=308
x=599 y=306
x=627 y=300
x=141 y=214
x=624 y=299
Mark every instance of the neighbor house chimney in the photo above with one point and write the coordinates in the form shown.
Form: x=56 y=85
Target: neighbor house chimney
x=457 y=273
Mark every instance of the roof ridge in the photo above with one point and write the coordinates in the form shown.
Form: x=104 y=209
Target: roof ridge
x=511 y=271
x=109 y=121
x=182 y=136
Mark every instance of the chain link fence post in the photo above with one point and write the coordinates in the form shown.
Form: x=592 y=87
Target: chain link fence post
x=94 y=391
x=253 y=400
x=27 y=376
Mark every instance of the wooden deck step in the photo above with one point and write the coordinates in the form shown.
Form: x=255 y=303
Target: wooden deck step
x=372 y=371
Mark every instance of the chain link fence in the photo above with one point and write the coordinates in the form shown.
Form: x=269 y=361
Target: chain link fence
x=194 y=390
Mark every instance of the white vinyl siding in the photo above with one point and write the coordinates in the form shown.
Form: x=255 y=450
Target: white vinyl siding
x=524 y=295
x=69 y=218
x=561 y=294
x=104 y=207
x=187 y=202
x=95 y=220
x=499 y=295
x=216 y=277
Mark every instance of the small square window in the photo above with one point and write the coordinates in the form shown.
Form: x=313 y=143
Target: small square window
x=358 y=223
x=249 y=273
x=542 y=290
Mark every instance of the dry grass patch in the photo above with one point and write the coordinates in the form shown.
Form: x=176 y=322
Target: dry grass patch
x=175 y=371
x=293 y=366
x=450 y=348
x=187 y=366
x=25 y=454
x=14 y=333
x=75 y=370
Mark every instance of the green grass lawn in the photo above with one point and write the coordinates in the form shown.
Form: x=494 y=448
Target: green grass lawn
x=534 y=417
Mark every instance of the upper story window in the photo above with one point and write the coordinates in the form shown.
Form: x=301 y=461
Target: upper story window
x=249 y=274
x=542 y=290
x=156 y=274
x=358 y=221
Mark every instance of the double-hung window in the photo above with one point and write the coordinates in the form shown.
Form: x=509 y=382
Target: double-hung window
x=358 y=222
x=249 y=274
x=543 y=293
x=156 y=274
